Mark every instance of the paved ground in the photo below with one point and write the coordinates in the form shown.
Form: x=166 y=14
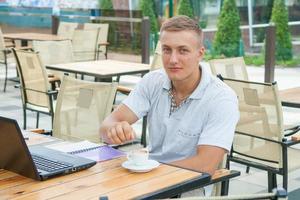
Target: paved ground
x=255 y=181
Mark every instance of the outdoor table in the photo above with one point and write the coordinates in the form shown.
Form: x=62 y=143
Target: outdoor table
x=290 y=97
x=25 y=37
x=102 y=69
x=106 y=178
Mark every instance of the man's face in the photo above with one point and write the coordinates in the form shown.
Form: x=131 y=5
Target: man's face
x=181 y=54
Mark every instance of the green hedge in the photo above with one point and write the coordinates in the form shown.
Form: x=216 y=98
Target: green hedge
x=228 y=35
x=283 y=35
x=185 y=8
x=147 y=10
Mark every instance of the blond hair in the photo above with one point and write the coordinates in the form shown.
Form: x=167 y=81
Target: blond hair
x=182 y=23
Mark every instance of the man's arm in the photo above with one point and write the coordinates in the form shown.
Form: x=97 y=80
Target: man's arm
x=207 y=159
x=116 y=128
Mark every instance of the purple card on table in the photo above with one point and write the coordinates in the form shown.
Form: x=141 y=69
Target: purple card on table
x=101 y=153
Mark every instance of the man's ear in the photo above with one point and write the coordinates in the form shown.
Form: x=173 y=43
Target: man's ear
x=201 y=52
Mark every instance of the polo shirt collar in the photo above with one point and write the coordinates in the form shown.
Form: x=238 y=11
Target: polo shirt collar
x=199 y=91
x=167 y=83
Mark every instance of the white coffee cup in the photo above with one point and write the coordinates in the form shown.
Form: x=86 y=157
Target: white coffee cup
x=138 y=157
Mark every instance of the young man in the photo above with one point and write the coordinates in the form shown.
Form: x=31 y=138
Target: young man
x=191 y=114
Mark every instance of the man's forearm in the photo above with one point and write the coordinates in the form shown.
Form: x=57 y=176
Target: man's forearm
x=194 y=163
x=207 y=159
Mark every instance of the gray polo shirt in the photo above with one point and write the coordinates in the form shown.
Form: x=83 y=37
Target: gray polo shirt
x=208 y=118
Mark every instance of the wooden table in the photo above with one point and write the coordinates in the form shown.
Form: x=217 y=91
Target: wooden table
x=102 y=69
x=104 y=179
x=290 y=97
x=25 y=37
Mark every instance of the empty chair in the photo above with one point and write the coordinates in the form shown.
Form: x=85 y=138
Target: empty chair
x=84 y=44
x=35 y=88
x=260 y=140
x=81 y=107
x=66 y=29
x=102 y=37
x=229 y=68
x=54 y=52
x=234 y=68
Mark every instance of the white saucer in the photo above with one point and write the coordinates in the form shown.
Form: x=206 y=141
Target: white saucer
x=149 y=165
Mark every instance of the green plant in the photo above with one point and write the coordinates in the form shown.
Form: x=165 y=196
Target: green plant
x=185 y=8
x=283 y=35
x=147 y=7
x=256 y=60
x=295 y=62
x=107 y=9
x=259 y=60
x=228 y=35
x=147 y=10
x=203 y=22
x=106 y=4
x=210 y=56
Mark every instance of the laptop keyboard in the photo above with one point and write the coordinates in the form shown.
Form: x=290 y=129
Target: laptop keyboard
x=48 y=165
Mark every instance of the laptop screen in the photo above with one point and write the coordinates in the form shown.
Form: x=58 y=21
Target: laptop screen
x=14 y=154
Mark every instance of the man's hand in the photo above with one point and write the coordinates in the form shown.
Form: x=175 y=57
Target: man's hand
x=116 y=128
x=120 y=133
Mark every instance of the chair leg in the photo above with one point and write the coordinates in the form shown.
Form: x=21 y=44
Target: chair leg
x=144 y=130
x=118 y=79
x=224 y=188
x=37 y=119
x=247 y=169
x=227 y=163
x=5 y=79
x=272 y=181
x=24 y=118
x=285 y=181
x=52 y=118
x=105 y=53
x=285 y=168
x=225 y=184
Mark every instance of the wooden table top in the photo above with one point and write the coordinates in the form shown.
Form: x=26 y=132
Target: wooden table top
x=290 y=97
x=104 y=179
x=102 y=68
x=32 y=36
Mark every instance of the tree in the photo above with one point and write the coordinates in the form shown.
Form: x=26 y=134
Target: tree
x=283 y=35
x=147 y=10
x=107 y=9
x=264 y=17
x=185 y=8
x=106 y=4
x=228 y=35
x=147 y=7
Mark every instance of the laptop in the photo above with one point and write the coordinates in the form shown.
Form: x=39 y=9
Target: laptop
x=36 y=161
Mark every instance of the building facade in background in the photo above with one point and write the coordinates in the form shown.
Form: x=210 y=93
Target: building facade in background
x=254 y=14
